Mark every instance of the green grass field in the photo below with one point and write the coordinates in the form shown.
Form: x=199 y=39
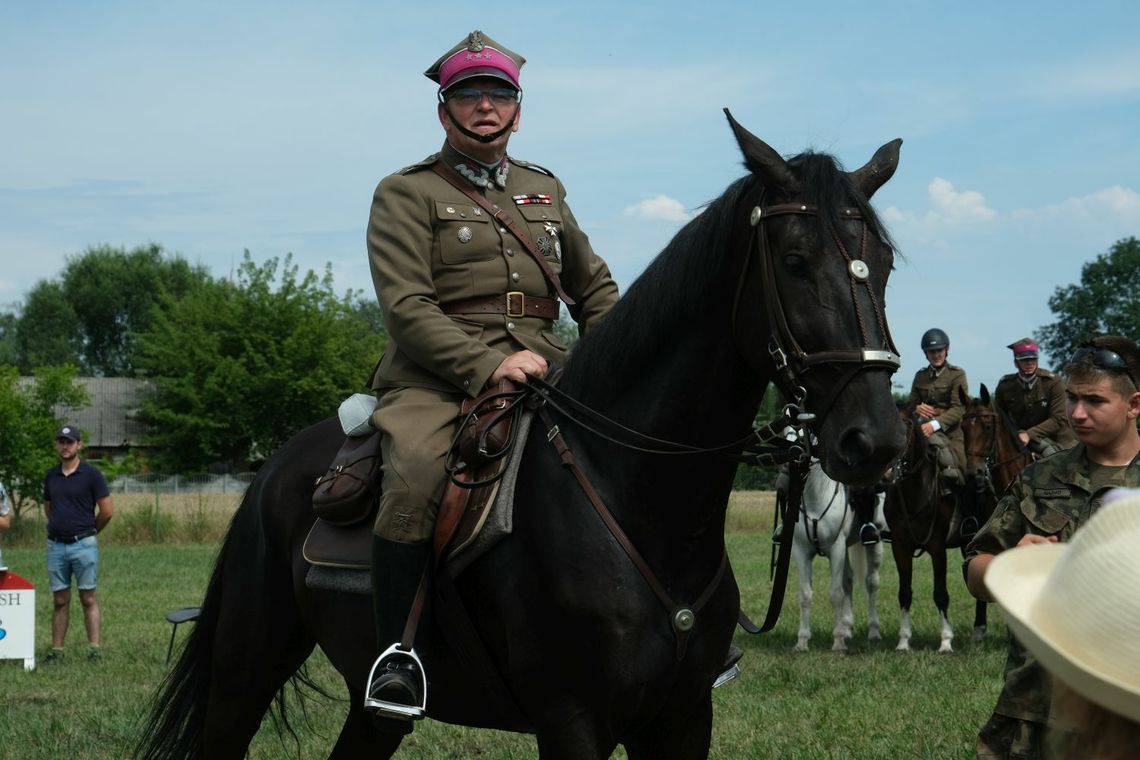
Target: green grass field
x=871 y=702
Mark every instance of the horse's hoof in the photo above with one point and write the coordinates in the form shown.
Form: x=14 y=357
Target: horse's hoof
x=874 y=635
x=978 y=634
x=946 y=648
x=801 y=646
x=904 y=646
x=839 y=645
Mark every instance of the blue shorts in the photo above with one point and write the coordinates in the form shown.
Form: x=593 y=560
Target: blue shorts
x=80 y=559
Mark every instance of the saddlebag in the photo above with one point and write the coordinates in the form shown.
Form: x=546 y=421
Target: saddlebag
x=346 y=493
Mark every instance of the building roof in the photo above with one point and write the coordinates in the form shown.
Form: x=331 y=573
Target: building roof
x=110 y=420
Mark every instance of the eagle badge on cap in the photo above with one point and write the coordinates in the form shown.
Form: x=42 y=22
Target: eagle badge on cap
x=475 y=41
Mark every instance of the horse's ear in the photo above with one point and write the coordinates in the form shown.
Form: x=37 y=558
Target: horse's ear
x=762 y=160
x=985 y=395
x=875 y=173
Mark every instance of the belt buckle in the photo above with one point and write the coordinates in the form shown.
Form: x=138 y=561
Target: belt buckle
x=521 y=301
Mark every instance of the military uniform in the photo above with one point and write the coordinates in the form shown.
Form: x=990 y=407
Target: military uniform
x=1052 y=497
x=1038 y=410
x=940 y=390
x=432 y=249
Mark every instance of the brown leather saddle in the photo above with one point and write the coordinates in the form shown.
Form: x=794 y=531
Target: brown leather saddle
x=480 y=467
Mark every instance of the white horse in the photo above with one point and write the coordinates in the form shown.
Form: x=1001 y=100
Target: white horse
x=826 y=527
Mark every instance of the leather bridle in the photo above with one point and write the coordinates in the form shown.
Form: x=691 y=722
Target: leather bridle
x=791 y=362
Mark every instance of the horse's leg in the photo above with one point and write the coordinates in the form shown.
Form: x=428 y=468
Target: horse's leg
x=259 y=643
x=873 y=556
x=803 y=555
x=904 y=560
x=579 y=737
x=942 y=599
x=840 y=594
x=979 y=622
x=358 y=739
x=686 y=739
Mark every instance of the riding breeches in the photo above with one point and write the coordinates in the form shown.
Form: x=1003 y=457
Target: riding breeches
x=416 y=427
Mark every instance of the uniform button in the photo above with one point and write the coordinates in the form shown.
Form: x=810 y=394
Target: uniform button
x=510 y=252
x=466 y=383
x=514 y=276
x=503 y=230
x=510 y=325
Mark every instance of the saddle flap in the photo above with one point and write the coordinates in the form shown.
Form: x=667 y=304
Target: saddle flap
x=342 y=546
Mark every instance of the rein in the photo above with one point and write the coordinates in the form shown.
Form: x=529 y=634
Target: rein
x=766 y=444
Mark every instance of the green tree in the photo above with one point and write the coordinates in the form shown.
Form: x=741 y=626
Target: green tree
x=27 y=424
x=241 y=366
x=1104 y=303
x=90 y=314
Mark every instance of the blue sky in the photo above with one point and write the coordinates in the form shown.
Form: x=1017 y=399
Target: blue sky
x=214 y=127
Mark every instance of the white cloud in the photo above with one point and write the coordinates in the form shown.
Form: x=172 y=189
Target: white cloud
x=953 y=206
x=1116 y=202
x=659 y=207
x=947 y=206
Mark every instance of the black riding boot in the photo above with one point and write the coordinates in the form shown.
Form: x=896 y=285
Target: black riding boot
x=396 y=572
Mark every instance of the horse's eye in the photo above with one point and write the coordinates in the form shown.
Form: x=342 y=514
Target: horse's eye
x=795 y=264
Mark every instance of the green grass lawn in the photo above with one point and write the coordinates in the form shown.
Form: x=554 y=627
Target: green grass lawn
x=871 y=702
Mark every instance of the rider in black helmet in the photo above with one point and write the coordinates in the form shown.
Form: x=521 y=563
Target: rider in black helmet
x=935 y=397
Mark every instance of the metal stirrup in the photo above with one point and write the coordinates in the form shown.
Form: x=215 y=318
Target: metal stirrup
x=394 y=654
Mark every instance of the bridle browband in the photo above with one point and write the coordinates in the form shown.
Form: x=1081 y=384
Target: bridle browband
x=791 y=362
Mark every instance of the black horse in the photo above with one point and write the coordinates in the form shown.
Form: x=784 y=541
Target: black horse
x=781 y=278
x=920 y=517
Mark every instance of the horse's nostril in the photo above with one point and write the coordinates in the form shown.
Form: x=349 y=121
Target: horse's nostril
x=855 y=447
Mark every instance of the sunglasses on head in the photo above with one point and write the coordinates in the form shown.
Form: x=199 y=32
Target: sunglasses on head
x=1103 y=358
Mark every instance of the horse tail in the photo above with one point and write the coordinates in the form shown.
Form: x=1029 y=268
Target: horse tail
x=174 y=729
x=250 y=637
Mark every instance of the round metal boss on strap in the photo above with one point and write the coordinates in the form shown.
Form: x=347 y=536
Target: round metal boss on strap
x=756 y=214
x=859 y=269
x=684 y=619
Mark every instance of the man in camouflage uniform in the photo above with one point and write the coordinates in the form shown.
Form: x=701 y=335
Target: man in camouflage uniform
x=465 y=304
x=1050 y=500
x=1033 y=400
x=934 y=396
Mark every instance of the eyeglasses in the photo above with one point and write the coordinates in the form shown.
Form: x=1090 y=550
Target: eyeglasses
x=470 y=96
x=1103 y=358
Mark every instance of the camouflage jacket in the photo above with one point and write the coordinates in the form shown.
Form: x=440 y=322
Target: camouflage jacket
x=1052 y=497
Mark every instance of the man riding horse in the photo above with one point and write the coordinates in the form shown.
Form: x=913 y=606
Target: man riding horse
x=470 y=251
x=936 y=397
x=1031 y=402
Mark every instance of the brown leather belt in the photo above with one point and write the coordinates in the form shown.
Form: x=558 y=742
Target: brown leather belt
x=514 y=304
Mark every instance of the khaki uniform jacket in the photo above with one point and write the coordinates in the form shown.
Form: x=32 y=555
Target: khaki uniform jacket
x=1052 y=497
x=429 y=244
x=942 y=393
x=1038 y=411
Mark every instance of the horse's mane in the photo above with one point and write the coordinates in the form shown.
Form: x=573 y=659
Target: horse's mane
x=685 y=277
x=669 y=291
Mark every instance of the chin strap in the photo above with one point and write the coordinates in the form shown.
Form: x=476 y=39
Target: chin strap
x=475 y=135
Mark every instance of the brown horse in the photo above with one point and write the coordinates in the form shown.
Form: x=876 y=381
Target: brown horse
x=919 y=517
x=994 y=459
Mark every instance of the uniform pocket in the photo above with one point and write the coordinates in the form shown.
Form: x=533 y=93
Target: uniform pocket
x=1047 y=516
x=464 y=233
x=544 y=224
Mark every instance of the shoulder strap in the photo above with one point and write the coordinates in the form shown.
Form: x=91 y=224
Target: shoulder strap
x=505 y=219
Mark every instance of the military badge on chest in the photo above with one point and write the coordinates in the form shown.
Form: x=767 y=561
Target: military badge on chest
x=548 y=243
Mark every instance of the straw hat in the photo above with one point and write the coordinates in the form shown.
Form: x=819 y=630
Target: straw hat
x=1074 y=605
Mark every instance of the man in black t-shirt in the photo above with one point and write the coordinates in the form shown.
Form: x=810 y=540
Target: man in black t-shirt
x=77 y=504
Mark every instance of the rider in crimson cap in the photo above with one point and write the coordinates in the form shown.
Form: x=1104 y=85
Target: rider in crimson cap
x=1032 y=402
x=467 y=304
